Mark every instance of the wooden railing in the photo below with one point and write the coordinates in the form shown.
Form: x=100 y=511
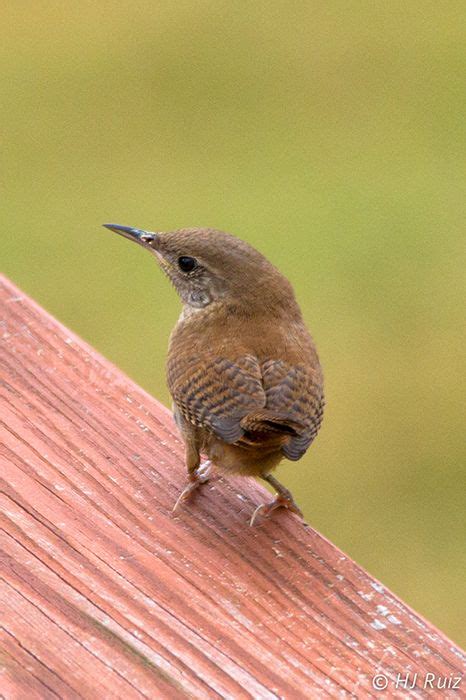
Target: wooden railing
x=107 y=594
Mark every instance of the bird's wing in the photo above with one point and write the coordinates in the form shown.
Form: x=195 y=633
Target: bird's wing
x=232 y=397
x=295 y=392
x=216 y=393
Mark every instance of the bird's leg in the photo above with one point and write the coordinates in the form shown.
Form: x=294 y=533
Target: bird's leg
x=197 y=477
x=283 y=499
x=197 y=474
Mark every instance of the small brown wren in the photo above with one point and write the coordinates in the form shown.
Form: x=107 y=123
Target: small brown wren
x=242 y=369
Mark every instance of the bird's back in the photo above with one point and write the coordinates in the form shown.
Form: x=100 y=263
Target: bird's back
x=253 y=385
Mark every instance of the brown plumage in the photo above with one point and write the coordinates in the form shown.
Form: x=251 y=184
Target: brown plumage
x=242 y=368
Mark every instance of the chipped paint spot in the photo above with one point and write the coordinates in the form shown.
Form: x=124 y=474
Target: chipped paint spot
x=458 y=653
x=382 y=610
x=377 y=586
x=394 y=620
x=377 y=625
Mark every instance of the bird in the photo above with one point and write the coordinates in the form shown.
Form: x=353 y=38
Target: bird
x=242 y=368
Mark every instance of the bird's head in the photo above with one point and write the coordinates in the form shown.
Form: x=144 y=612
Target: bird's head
x=206 y=265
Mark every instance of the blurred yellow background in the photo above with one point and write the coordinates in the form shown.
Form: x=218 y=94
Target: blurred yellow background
x=331 y=136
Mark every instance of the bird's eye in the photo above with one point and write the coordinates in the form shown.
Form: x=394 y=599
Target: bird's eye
x=187 y=264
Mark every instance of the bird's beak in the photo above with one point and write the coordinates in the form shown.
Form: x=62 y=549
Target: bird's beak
x=144 y=238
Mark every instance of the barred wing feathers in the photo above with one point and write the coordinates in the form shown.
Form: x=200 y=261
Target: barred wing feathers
x=244 y=396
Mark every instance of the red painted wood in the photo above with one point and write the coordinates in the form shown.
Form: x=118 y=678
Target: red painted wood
x=105 y=593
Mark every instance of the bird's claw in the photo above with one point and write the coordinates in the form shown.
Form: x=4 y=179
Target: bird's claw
x=279 y=502
x=199 y=476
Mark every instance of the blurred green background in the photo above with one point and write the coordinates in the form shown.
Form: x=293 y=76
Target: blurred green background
x=329 y=135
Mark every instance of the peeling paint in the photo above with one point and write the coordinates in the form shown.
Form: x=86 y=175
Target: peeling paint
x=377 y=625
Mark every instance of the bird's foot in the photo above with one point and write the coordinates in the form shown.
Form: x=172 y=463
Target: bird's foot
x=280 y=501
x=198 y=477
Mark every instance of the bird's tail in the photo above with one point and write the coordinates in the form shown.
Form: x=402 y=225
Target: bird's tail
x=265 y=421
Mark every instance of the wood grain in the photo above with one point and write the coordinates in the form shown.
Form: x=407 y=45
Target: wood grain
x=105 y=593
